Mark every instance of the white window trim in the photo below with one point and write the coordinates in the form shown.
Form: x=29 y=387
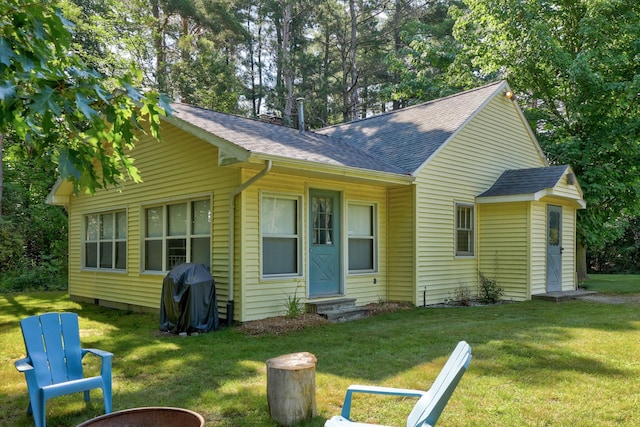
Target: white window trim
x=114 y=241
x=471 y=254
x=299 y=236
x=376 y=233
x=188 y=236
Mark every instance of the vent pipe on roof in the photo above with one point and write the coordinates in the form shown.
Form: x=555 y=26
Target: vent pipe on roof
x=300 y=102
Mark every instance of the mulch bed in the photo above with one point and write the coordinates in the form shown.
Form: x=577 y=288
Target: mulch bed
x=279 y=325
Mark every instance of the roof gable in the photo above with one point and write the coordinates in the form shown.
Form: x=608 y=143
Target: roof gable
x=533 y=184
x=525 y=181
x=408 y=137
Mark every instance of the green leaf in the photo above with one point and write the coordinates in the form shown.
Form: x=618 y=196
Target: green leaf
x=83 y=104
x=41 y=100
x=7 y=90
x=6 y=53
x=66 y=165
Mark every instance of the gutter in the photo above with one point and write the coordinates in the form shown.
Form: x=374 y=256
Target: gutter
x=232 y=199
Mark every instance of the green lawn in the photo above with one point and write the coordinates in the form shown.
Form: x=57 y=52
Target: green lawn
x=536 y=363
x=617 y=284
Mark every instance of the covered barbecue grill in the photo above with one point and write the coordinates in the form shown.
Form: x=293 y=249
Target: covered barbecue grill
x=188 y=302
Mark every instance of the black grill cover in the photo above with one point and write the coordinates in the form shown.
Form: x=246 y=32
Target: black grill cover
x=188 y=302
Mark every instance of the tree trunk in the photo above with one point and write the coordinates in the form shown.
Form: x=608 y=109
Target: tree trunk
x=291 y=388
x=287 y=65
x=252 y=68
x=161 y=66
x=353 y=90
x=581 y=262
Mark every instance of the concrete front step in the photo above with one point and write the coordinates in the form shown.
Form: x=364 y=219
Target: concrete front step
x=563 y=295
x=338 y=310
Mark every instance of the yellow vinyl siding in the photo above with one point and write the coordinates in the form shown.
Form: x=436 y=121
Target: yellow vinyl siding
x=569 y=274
x=495 y=140
x=538 y=268
x=174 y=170
x=401 y=248
x=504 y=248
x=263 y=297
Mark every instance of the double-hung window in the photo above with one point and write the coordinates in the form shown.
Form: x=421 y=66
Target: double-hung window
x=362 y=237
x=280 y=232
x=464 y=230
x=177 y=233
x=105 y=240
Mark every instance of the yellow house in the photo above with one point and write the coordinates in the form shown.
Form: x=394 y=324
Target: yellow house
x=405 y=206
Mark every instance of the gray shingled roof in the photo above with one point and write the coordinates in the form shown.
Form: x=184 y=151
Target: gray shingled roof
x=525 y=181
x=397 y=142
x=273 y=140
x=406 y=138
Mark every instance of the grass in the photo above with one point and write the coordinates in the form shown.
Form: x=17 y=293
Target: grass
x=614 y=284
x=534 y=363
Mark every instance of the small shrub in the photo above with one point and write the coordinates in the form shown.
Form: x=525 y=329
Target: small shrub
x=489 y=291
x=294 y=306
x=462 y=295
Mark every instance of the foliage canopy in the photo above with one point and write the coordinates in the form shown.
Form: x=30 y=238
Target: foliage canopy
x=62 y=108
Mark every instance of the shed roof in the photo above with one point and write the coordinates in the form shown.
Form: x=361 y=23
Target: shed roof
x=525 y=181
x=408 y=137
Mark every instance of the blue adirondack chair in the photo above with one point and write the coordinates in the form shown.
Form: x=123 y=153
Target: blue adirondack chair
x=430 y=404
x=53 y=366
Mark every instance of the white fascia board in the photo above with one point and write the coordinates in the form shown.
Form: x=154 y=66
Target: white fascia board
x=532 y=197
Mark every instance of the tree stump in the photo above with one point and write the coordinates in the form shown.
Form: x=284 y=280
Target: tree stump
x=291 y=387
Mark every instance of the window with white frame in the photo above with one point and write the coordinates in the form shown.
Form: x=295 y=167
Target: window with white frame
x=280 y=232
x=177 y=233
x=105 y=240
x=362 y=237
x=464 y=230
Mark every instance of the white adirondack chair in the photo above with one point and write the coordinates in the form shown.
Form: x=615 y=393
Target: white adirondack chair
x=430 y=403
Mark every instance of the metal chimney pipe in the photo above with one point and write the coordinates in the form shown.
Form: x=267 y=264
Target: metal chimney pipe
x=300 y=102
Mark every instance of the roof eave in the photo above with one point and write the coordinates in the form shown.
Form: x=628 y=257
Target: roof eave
x=228 y=152
x=340 y=172
x=530 y=197
x=60 y=193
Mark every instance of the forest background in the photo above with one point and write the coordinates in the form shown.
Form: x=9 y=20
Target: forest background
x=573 y=64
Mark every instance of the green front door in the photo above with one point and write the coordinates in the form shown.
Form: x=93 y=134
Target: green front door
x=324 y=243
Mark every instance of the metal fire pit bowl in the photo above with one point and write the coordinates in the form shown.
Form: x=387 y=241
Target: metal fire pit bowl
x=148 y=417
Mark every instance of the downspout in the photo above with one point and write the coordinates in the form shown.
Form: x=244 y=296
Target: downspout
x=232 y=198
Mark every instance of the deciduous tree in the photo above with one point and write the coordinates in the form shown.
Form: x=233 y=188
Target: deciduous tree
x=576 y=66
x=63 y=109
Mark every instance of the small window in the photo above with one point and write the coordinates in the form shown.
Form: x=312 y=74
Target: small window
x=105 y=241
x=362 y=238
x=280 y=225
x=177 y=233
x=464 y=230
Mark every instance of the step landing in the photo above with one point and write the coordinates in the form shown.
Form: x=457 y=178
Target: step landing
x=563 y=295
x=338 y=310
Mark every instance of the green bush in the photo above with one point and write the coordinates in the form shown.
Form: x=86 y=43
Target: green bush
x=47 y=275
x=11 y=246
x=489 y=291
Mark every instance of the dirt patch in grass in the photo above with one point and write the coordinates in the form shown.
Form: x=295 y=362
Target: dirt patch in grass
x=611 y=299
x=279 y=325
x=387 y=307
